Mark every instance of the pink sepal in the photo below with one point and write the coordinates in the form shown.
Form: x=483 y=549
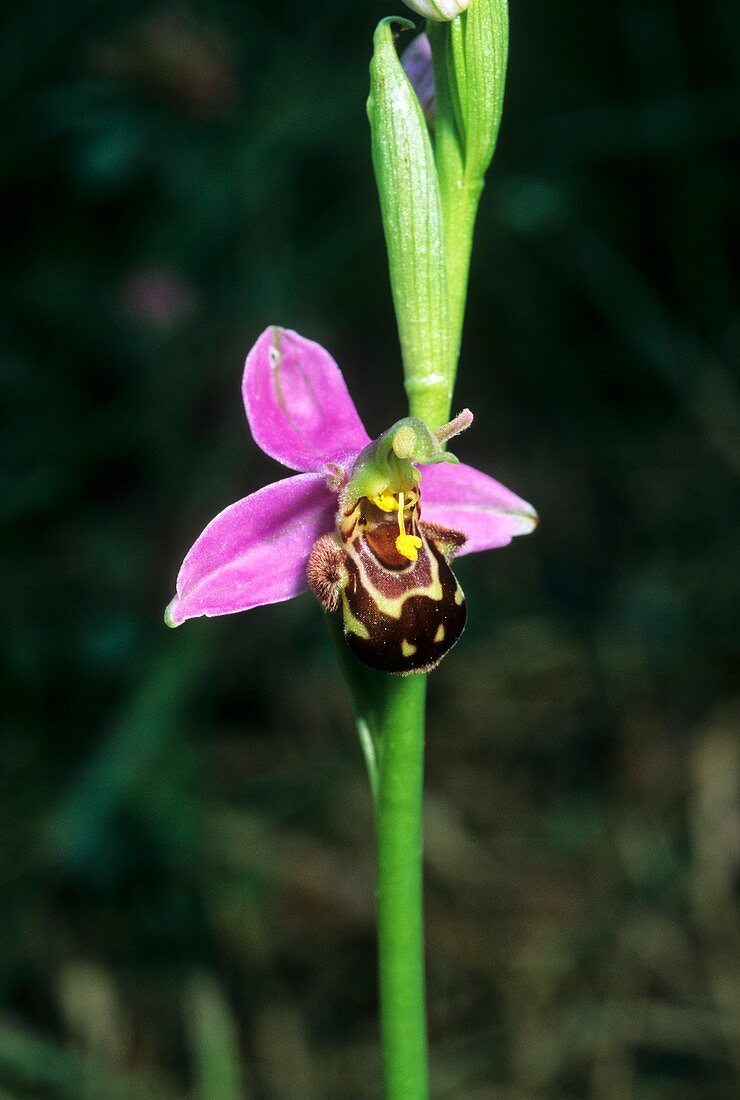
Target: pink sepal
x=470 y=501
x=298 y=406
x=255 y=551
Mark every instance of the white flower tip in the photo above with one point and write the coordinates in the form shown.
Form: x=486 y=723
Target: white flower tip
x=169 y=617
x=440 y=11
x=528 y=521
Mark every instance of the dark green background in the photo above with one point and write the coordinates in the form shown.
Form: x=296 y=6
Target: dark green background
x=186 y=890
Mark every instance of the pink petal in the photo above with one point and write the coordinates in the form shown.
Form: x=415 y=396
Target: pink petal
x=470 y=501
x=297 y=403
x=255 y=551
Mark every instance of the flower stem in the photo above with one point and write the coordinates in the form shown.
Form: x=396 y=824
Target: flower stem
x=399 y=891
x=389 y=714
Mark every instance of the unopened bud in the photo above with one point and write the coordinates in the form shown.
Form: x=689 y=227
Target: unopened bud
x=441 y=11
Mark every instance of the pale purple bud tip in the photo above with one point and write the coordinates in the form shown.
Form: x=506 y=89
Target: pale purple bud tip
x=417 y=62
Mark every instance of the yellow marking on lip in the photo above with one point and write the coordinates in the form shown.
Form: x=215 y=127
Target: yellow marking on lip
x=407 y=648
x=459 y=595
x=440 y=635
x=351 y=622
x=393 y=606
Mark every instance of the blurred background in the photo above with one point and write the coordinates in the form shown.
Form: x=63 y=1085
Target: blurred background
x=186 y=866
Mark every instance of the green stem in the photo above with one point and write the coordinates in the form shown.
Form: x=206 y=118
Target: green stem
x=389 y=713
x=460 y=210
x=400 y=910
x=429 y=200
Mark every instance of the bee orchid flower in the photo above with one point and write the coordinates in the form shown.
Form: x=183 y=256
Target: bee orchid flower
x=369 y=526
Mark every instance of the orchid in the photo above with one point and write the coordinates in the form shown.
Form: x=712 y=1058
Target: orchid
x=349 y=523
x=372 y=526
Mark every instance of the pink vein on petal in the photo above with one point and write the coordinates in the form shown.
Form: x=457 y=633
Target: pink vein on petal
x=297 y=403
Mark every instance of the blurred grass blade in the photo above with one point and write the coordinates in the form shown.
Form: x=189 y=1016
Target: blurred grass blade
x=215 y=1043
x=152 y=718
x=42 y=1068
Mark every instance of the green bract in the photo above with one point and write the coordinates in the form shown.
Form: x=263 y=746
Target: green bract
x=470 y=70
x=486 y=39
x=412 y=221
x=429 y=194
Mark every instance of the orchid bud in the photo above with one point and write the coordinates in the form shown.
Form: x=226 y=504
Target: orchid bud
x=441 y=11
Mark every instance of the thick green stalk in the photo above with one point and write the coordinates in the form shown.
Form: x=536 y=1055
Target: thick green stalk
x=429 y=201
x=389 y=713
x=400 y=909
x=399 y=724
